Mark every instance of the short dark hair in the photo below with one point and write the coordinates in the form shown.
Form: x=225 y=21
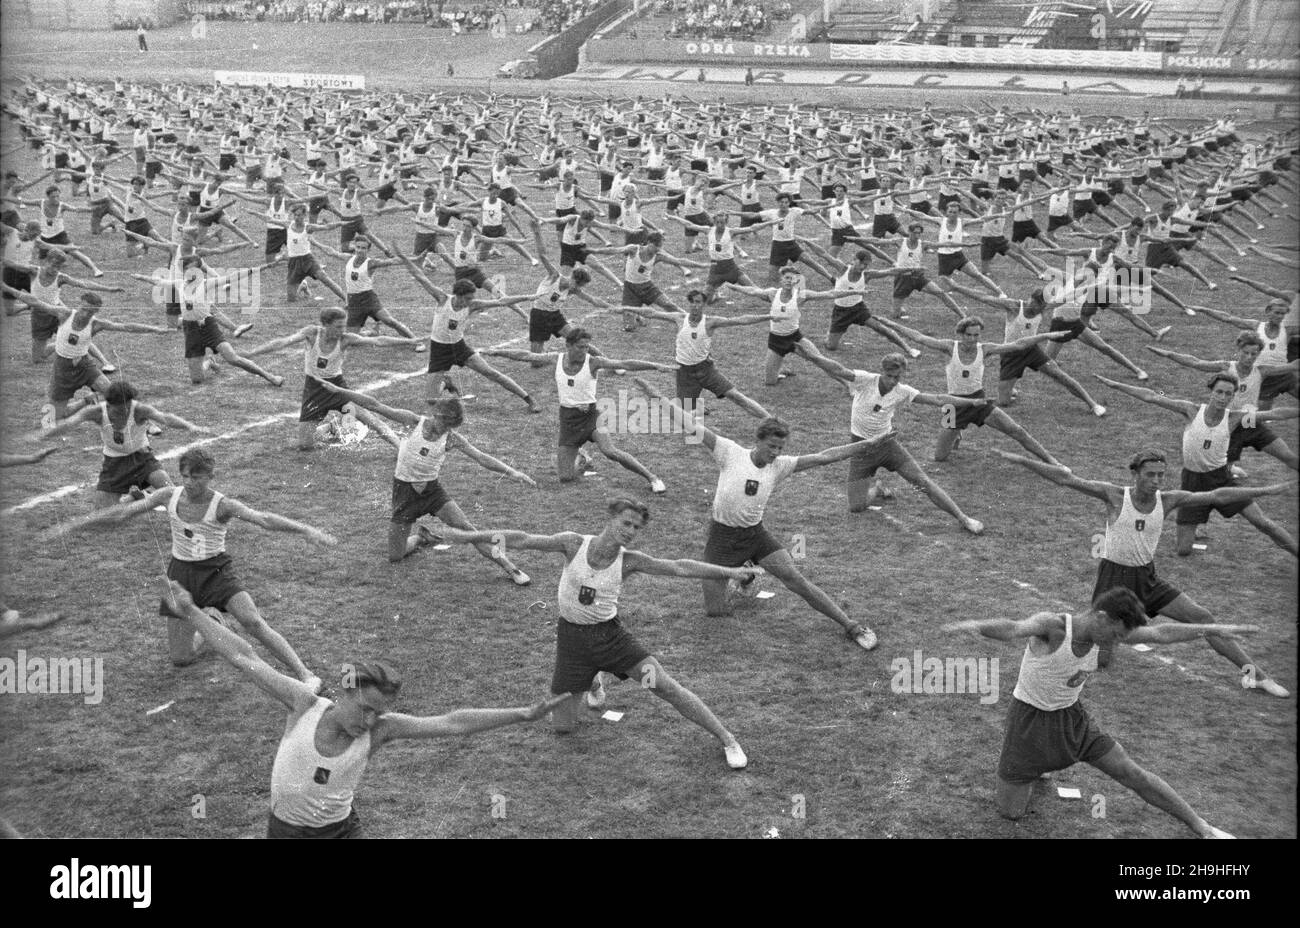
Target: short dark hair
x=576 y=333
x=1225 y=376
x=331 y=314
x=197 y=460
x=378 y=674
x=1146 y=456
x=621 y=504
x=1122 y=604
x=772 y=427
x=581 y=276
x=463 y=288
x=1246 y=337
x=691 y=295
x=967 y=322
x=449 y=409
x=119 y=393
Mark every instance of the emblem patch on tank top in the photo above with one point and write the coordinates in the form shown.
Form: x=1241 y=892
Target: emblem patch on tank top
x=586 y=595
x=1140 y=524
x=321 y=776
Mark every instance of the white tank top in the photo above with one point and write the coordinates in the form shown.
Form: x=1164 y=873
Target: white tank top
x=308 y=789
x=965 y=379
x=910 y=257
x=720 y=246
x=588 y=596
x=356 y=277
x=1053 y=681
x=693 y=341
x=785 y=313
x=494 y=214
x=950 y=238
x=549 y=297
x=1019 y=326
x=1247 y=389
x=277 y=217
x=449 y=323
x=73 y=344
x=693 y=202
x=883 y=206
x=51 y=226
x=317 y=362
x=1274 y=351
x=839 y=215
x=118 y=443
x=859 y=286
x=1205 y=447
x=783 y=231
x=576 y=390
x=462 y=251
x=209 y=198
x=1132 y=538
x=298 y=243
x=637 y=270
x=418 y=459
x=196 y=541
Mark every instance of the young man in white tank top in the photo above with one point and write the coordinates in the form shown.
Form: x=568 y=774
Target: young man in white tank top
x=590 y=638
x=199 y=564
x=1048 y=729
x=1206 y=440
x=129 y=464
x=326 y=345
x=327 y=744
x=581 y=419
x=1134 y=520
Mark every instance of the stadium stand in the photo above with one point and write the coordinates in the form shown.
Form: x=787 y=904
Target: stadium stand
x=92 y=14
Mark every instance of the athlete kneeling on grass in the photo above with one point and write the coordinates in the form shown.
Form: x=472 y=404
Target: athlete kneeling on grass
x=420 y=457
x=327 y=744
x=590 y=638
x=1049 y=729
x=123 y=422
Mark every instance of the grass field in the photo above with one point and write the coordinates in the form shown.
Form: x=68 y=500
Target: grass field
x=817 y=716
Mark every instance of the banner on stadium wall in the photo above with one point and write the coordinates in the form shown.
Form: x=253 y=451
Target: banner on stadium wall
x=291 y=79
x=723 y=50
x=1219 y=64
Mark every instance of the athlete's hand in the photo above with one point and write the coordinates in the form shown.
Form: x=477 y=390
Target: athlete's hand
x=744 y=574
x=321 y=537
x=666 y=368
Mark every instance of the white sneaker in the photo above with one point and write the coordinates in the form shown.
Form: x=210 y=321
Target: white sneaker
x=314 y=683
x=1189 y=311
x=241 y=329
x=974 y=526
x=583 y=462
x=1213 y=287
x=657 y=486
x=914 y=352
x=496 y=283
x=1238 y=473
x=864 y=638
x=1219 y=833
x=595 y=698
x=520 y=578
x=736 y=758
x=48 y=421
x=1162 y=332
x=1249 y=681
x=1099 y=410
x=1143 y=375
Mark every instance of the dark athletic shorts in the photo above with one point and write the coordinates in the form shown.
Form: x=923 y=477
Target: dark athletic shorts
x=694 y=379
x=883 y=224
x=1024 y=229
x=783 y=253
x=973 y=415
x=724 y=271
x=994 y=245
x=578 y=425
x=212 y=582
x=582 y=651
x=783 y=344
x=1242 y=438
x=70 y=376
x=474 y=274
x=1074 y=327
x=844 y=316
x=1205 y=482
x=952 y=262
x=301 y=267
x=640 y=294
x=276 y=238
x=119 y=474
x=1013 y=364
x=200 y=336
x=443 y=357
x=410 y=502
x=1039 y=742
x=44 y=325
x=909 y=282
x=362 y=306
x=545 y=324
x=732 y=546
x=1154 y=592
x=317 y=401
x=1275 y=384
x=350 y=827
x=888 y=454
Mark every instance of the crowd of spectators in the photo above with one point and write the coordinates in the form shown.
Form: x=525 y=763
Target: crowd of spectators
x=559 y=14
x=717 y=19
x=467 y=17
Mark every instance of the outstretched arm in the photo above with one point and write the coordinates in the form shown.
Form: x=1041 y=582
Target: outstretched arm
x=273 y=522
x=294 y=694
x=683 y=567
x=1175 y=632
x=1182 y=407
x=1038 y=625
x=393 y=725
x=396 y=413
x=1063 y=477
x=1189 y=360
x=563 y=542
x=838 y=453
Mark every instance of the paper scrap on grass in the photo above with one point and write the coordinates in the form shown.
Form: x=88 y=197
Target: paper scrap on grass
x=875 y=508
x=612 y=716
x=1069 y=792
x=164 y=707
x=1141 y=647
x=442 y=547
x=764 y=594
x=1197 y=547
